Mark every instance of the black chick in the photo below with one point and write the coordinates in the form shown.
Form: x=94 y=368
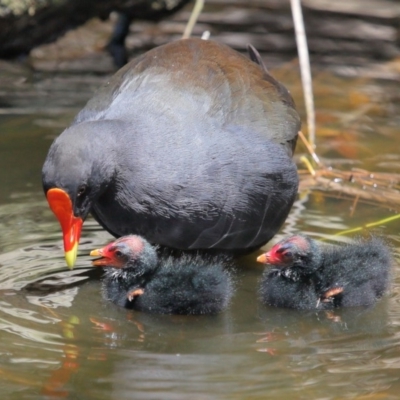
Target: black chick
x=307 y=275
x=136 y=277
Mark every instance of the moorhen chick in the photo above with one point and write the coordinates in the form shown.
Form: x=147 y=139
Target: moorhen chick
x=136 y=277
x=307 y=275
x=189 y=145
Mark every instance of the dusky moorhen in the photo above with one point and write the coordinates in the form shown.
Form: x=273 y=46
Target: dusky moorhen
x=136 y=277
x=189 y=145
x=308 y=275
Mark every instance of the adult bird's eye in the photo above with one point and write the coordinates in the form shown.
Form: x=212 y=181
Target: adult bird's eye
x=81 y=190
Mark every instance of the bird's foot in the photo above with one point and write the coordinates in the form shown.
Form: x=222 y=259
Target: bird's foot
x=134 y=293
x=329 y=295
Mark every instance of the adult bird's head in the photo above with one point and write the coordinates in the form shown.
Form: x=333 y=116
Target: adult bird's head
x=74 y=175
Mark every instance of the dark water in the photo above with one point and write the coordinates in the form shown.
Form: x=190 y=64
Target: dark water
x=59 y=338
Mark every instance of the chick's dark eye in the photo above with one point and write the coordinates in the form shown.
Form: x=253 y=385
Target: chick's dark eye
x=81 y=190
x=288 y=254
x=118 y=253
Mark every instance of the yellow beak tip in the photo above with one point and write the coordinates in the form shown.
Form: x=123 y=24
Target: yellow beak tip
x=95 y=253
x=70 y=256
x=262 y=259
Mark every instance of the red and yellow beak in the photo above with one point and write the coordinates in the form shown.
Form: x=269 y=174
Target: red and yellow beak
x=272 y=257
x=61 y=205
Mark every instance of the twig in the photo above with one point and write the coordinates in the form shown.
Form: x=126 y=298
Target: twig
x=310 y=168
x=370 y=225
x=309 y=148
x=198 y=6
x=353 y=207
x=335 y=180
x=305 y=69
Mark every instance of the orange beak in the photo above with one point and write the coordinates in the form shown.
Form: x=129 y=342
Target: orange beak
x=107 y=258
x=100 y=262
x=61 y=205
x=263 y=258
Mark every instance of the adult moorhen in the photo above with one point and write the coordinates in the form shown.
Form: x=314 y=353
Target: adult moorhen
x=189 y=145
x=136 y=277
x=306 y=275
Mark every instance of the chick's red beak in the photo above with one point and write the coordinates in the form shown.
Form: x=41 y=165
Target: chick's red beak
x=107 y=257
x=271 y=257
x=61 y=205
